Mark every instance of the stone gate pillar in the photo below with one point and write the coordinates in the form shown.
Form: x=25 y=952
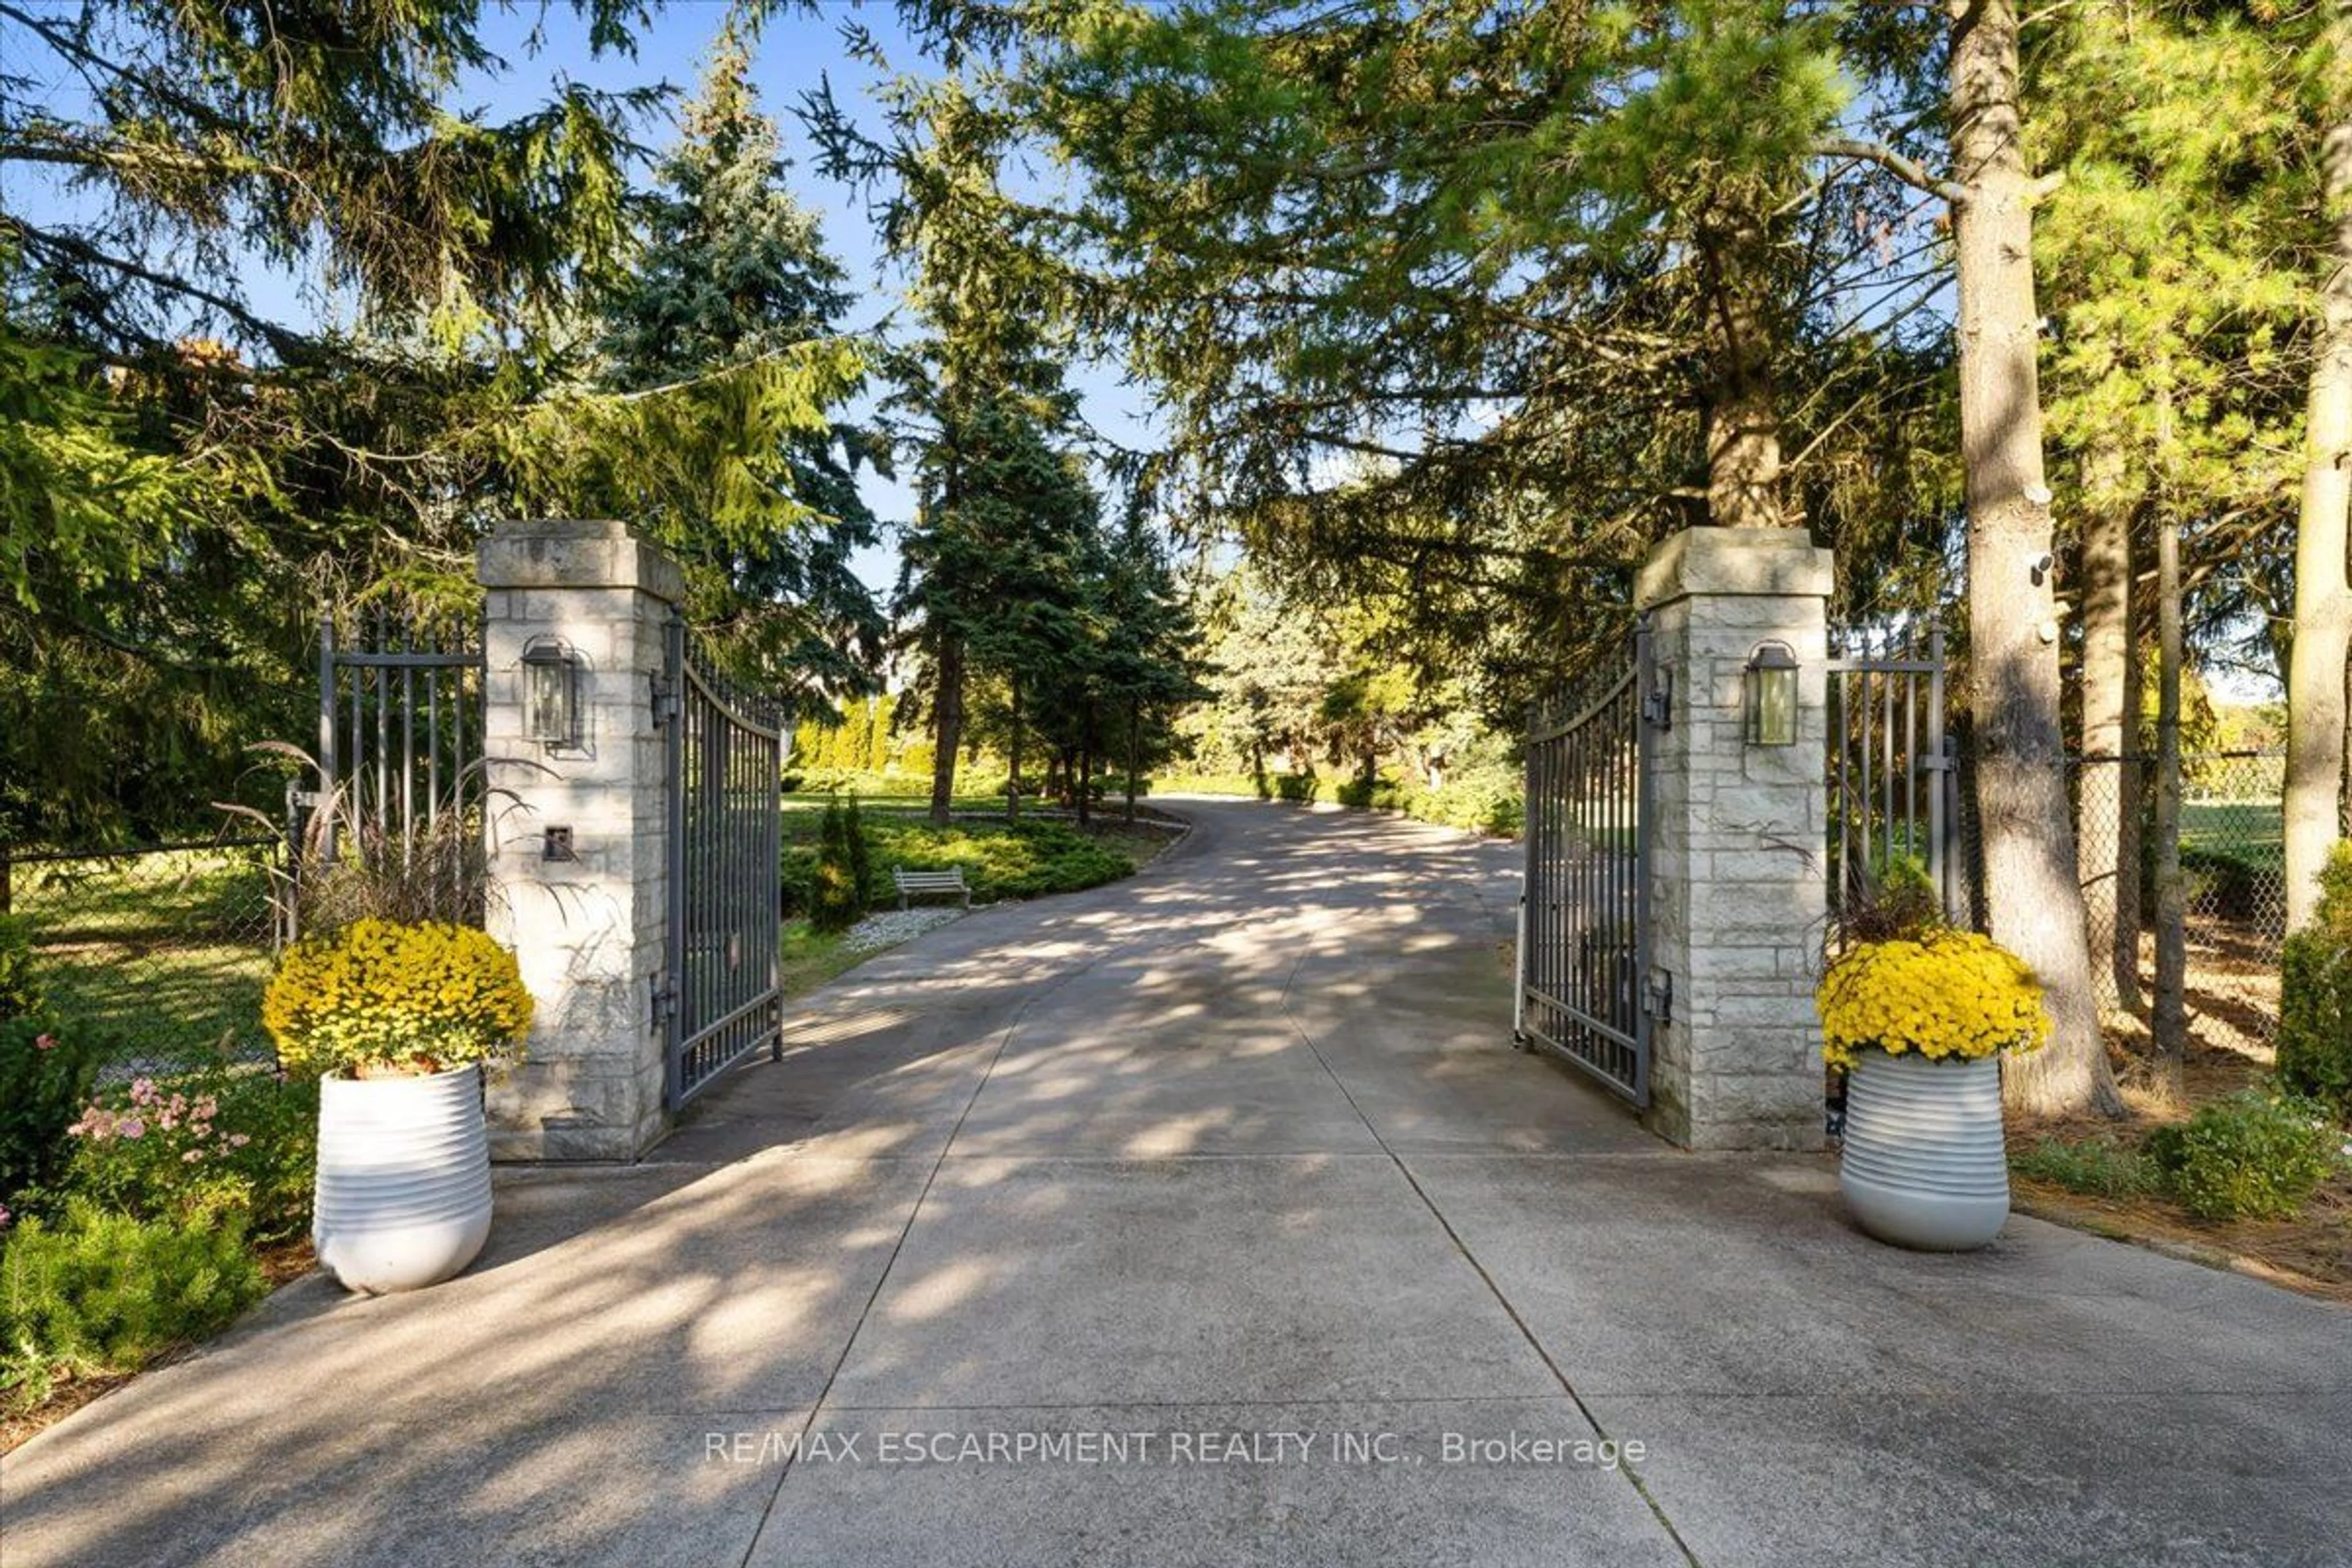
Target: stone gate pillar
x=577 y=832
x=1739 y=841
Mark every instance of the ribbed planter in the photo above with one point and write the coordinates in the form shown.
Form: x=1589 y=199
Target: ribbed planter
x=1924 y=1165
x=404 y=1192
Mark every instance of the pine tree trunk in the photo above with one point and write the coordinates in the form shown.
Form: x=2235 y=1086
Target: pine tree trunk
x=2168 y=1021
x=2316 y=743
x=1134 y=753
x=1743 y=429
x=1012 y=761
x=2036 y=907
x=2105 y=802
x=947 y=727
x=2131 y=909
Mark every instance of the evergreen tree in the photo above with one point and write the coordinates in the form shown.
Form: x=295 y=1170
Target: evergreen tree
x=861 y=856
x=2170 y=279
x=981 y=405
x=182 y=473
x=835 y=900
x=734 y=301
x=1151 y=658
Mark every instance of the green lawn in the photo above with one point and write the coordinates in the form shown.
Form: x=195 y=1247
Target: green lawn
x=165 y=952
x=811 y=957
x=875 y=805
x=2252 y=833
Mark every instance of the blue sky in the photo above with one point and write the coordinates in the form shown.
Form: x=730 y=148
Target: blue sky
x=797 y=51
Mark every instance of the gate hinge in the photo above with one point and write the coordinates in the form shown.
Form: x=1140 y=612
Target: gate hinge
x=664 y=1001
x=1658 y=702
x=665 y=699
x=1658 y=996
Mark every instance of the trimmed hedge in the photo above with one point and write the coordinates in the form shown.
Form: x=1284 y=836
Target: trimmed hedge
x=999 y=860
x=2315 y=1036
x=1020 y=860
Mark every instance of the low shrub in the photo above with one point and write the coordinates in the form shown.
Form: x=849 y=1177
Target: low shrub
x=2248 y=1155
x=987 y=784
x=1485 y=798
x=836 y=896
x=96 y=1292
x=20 y=986
x=46 y=1071
x=796 y=871
x=2231 y=884
x=1210 y=784
x=228 y=1140
x=1000 y=861
x=2315 y=1029
x=2094 y=1166
x=1299 y=789
x=1362 y=793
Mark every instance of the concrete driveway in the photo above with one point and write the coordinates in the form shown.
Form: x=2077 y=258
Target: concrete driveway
x=1210 y=1219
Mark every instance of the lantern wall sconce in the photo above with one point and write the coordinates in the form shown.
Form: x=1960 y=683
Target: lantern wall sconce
x=551 y=692
x=1770 y=679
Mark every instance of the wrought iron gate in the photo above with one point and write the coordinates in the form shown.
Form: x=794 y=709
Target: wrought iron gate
x=400 y=736
x=1584 y=910
x=1893 y=776
x=722 y=996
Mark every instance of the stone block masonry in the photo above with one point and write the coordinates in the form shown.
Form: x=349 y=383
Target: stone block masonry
x=1738 y=838
x=589 y=931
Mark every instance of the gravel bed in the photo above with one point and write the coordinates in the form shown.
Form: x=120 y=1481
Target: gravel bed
x=892 y=927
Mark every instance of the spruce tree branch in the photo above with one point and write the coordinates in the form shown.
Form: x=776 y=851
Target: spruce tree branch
x=286 y=343
x=1910 y=170
x=133 y=158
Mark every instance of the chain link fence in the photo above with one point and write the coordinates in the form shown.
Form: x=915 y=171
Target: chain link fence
x=164 y=952
x=2232 y=861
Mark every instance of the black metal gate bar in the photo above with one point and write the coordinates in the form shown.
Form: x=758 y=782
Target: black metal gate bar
x=722 y=996
x=1584 y=927
x=1887 y=728
x=392 y=758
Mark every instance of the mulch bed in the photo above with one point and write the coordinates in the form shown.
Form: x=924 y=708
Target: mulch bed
x=2311 y=1254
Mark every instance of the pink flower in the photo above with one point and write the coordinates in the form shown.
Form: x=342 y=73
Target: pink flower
x=191 y=1156
x=142 y=1089
x=238 y=1139
x=41 y=1043
x=130 y=1127
x=3 y=1216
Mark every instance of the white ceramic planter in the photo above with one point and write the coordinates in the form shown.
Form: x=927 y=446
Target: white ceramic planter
x=1924 y=1165
x=404 y=1190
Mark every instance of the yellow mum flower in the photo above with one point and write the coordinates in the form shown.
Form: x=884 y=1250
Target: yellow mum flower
x=379 y=996
x=1954 y=994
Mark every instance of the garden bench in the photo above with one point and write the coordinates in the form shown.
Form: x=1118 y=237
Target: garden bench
x=948 y=881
